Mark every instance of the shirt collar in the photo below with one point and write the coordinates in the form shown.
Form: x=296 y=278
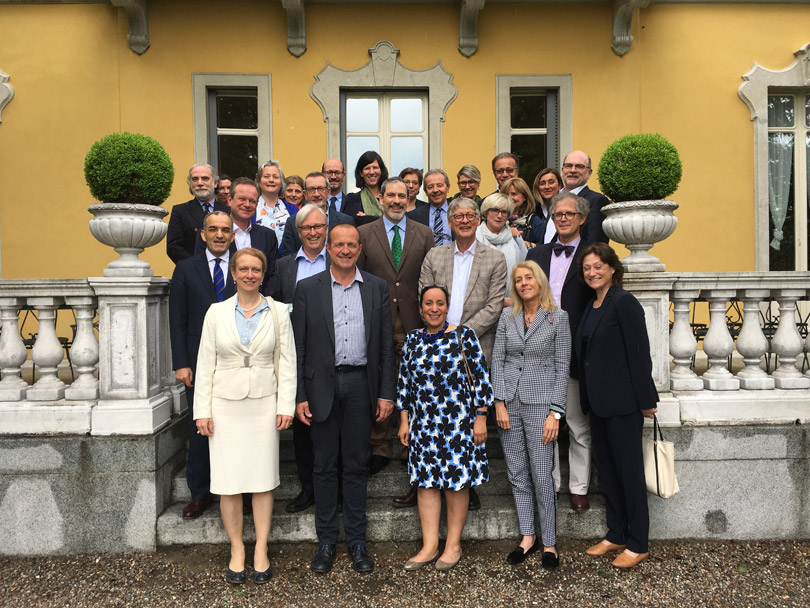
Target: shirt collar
x=470 y=251
x=577 y=190
x=303 y=255
x=389 y=224
x=225 y=257
x=238 y=229
x=264 y=305
x=357 y=277
x=574 y=243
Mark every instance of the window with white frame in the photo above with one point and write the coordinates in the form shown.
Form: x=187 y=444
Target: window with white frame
x=393 y=124
x=534 y=119
x=232 y=122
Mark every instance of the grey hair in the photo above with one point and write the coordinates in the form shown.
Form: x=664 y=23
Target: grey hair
x=462 y=202
x=304 y=212
x=471 y=172
x=214 y=173
x=497 y=200
x=217 y=212
x=582 y=205
x=393 y=180
x=438 y=172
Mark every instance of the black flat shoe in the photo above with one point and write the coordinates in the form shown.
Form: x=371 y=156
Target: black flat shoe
x=518 y=556
x=321 y=562
x=550 y=560
x=261 y=578
x=304 y=500
x=234 y=578
x=361 y=560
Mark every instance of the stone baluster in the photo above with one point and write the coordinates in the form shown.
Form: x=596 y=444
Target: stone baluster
x=752 y=343
x=47 y=353
x=12 y=352
x=787 y=342
x=682 y=343
x=84 y=351
x=718 y=343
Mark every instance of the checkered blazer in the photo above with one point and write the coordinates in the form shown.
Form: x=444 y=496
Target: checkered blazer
x=532 y=365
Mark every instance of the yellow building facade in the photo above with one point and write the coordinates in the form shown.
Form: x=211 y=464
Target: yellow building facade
x=75 y=78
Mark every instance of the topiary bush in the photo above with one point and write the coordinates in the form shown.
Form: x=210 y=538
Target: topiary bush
x=640 y=167
x=129 y=168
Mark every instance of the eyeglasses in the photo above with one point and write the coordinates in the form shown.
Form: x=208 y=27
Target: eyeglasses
x=313 y=228
x=467 y=184
x=333 y=172
x=464 y=216
x=569 y=215
x=506 y=170
x=498 y=212
x=578 y=167
x=312 y=189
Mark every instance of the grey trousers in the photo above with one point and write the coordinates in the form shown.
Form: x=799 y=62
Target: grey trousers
x=579 y=447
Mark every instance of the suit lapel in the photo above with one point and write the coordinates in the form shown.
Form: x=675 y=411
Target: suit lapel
x=606 y=304
x=407 y=244
x=475 y=270
x=573 y=267
x=260 y=335
x=365 y=296
x=382 y=240
x=205 y=277
x=325 y=292
x=448 y=260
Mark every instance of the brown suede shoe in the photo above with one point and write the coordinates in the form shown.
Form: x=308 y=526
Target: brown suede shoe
x=626 y=561
x=602 y=548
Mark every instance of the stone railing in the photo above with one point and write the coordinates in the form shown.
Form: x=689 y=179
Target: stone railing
x=134 y=391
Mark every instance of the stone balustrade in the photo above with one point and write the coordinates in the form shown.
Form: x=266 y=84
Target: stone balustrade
x=133 y=391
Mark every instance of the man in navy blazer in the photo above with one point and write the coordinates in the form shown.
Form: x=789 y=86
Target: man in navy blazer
x=244 y=200
x=186 y=219
x=576 y=170
x=192 y=291
x=559 y=261
x=346 y=379
x=437 y=185
x=315 y=192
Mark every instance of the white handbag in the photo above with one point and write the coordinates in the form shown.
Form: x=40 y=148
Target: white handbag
x=659 y=464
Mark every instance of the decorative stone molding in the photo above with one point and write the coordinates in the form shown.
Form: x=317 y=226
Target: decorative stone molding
x=754 y=92
x=6 y=91
x=138 y=36
x=468 y=26
x=384 y=71
x=623 y=11
x=296 y=27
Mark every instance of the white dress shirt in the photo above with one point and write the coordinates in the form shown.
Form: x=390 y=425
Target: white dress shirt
x=462 y=264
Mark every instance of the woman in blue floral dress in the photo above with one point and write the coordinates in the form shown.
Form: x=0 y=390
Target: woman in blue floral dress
x=442 y=423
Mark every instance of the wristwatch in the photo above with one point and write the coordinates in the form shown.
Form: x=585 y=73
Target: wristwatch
x=556 y=415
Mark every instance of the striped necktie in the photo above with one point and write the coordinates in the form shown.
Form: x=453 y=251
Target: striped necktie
x=396 y=247
x=219 y=280
x=207 y=208
x=438 y=227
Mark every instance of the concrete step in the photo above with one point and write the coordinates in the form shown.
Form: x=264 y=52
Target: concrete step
x=496 y=520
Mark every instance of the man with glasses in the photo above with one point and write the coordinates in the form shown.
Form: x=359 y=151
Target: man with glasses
x=558 y=261
x=576 y=170
x=316 y=192
x=335 y=174
x=475 y=276
x=504 y=166
x=434 y=215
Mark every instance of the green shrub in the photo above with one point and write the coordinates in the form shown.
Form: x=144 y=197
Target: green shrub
x=128 y=168
x=640 y=167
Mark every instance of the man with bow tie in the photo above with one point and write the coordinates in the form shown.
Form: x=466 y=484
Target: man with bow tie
x=559 y=261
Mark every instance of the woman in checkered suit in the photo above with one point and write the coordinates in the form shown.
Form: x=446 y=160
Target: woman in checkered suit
x=530 y=378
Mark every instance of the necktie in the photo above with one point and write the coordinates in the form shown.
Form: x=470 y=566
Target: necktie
x=207 y=208
x=333 y=204
x=438 y=227
x=219 y=280
x=396 y=247
x=559 y=248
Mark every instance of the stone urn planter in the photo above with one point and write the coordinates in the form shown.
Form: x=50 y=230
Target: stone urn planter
x=638 y=225
x=132 y=175
x=129 y=229
x=639 y=172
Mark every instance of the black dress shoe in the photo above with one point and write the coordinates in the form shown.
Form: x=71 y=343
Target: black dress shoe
x=475 y=502
x=377 y=464
x=260 y=578
x=550 y=560
x=235 y=578
x=518 y=555
x=195 y=508
x=406 y=500
x=361 y=560
x=321 y=562
x=304 y=500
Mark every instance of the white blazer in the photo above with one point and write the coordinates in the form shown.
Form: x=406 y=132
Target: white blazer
x=228 y=370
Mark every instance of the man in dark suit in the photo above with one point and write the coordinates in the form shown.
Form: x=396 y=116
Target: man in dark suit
x=346 y=379
x=504 y=166
x=198 y=282
x=559 y=261
x=244 y=196
x=309 y=260
x=186 y=219
x=335 y=174
x=393 y=249
x=434 y=215
x=576 y=170
x=315 y=192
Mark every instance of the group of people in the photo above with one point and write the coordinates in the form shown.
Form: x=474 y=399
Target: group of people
x=327 y=314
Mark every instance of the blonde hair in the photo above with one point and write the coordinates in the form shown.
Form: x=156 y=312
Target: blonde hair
x=546 y=298
x=521 y=187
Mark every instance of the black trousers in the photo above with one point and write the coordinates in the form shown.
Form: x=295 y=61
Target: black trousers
x=619 y=460
x=344 y=433
x=198 y=465
x=304 y=458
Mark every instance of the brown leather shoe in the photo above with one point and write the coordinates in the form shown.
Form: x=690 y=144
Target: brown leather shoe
x=626 y=561
x=195 y=508
x=603 y=547
x=406 y=500
x=580 y=502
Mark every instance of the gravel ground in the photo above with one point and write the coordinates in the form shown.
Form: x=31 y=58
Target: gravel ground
x=678 y=573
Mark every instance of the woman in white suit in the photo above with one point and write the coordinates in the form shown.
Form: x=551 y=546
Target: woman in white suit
x=530 y=379
x=245 y=395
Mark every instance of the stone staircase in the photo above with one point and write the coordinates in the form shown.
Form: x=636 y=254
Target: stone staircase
x=495 y=520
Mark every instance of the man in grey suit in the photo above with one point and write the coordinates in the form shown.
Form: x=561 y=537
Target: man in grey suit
x=346 y=379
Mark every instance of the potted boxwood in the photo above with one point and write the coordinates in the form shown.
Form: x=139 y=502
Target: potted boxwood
x=132 y=175
x=638 y=173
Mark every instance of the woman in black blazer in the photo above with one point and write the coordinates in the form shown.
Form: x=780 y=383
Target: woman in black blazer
x=616 y=386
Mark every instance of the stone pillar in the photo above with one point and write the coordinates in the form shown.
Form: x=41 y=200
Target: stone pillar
x=752 y=343
x=132 y=396
x=84 y=351
x=682 y=342
x=47 y=352
x=12 y=352
x=718 y=343
x=787 y=342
